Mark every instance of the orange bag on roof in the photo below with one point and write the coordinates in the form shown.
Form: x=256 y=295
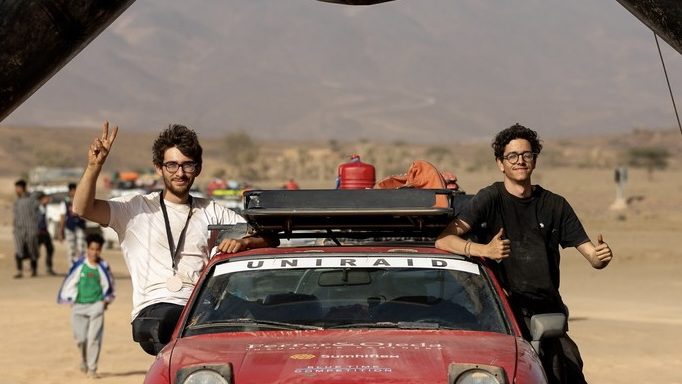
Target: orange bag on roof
x=423 y=175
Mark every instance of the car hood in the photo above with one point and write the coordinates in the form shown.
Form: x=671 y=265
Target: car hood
x=348 y=356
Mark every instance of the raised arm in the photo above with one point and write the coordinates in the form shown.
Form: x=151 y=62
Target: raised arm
x=84 y=202
x=451 y=240
x=599 y=256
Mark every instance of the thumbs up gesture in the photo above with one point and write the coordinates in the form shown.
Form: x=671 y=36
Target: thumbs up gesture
x=499 y=247
x=603 y=251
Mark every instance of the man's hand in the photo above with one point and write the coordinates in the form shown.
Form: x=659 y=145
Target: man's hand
x=603 y=251
x=99 y=149
x=233 y=245
x=498 y=248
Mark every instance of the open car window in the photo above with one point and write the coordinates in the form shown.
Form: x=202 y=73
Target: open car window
x=346 y=291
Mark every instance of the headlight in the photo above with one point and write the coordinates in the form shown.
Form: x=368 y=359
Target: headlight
x=476 y=376
x=205 y=374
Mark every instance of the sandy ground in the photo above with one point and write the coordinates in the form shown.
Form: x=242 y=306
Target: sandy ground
x=626 y=318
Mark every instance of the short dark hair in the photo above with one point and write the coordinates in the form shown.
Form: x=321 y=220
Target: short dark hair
x=516 y=131
x=20 y=183
x=72 y=186
x=94 y=238
x=179 y=136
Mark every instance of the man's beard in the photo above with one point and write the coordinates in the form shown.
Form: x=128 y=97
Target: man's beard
x=179 y=191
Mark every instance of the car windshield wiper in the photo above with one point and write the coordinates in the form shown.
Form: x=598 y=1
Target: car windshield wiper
x=391 y=324
x=251 y=323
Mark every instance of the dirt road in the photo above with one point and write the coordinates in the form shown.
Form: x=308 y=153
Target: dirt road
x=626 y=318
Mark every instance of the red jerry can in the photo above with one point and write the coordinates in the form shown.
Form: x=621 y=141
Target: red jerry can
x=355 y=174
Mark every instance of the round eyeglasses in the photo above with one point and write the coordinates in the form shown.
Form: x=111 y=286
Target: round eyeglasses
x=513 y=157
x=173 y=166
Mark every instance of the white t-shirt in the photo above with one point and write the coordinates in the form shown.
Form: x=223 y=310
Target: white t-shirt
x=138 y=221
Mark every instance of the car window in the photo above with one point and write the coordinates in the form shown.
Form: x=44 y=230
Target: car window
x=360 y=295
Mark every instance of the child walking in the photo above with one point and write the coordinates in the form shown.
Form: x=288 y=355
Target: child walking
x=89 y=288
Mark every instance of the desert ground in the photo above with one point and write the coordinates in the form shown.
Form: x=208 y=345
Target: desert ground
x=626 y=318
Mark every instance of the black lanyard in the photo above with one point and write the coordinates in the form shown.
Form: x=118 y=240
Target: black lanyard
x=169 y=234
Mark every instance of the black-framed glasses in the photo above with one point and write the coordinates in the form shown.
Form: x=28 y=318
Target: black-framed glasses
x=513 y=157
x=187 y=167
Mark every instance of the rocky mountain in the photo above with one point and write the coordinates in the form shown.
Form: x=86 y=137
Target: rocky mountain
x=413 y=70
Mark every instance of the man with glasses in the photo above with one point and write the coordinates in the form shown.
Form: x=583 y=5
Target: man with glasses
x=521 y=226
x=164 y=234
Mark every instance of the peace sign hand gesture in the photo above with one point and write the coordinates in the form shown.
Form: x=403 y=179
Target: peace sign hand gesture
x=99 y=149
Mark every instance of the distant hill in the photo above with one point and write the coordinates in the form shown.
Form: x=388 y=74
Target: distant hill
x=272 y=162
x=412 y=70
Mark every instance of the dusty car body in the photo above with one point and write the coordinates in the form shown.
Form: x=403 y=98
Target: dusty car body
x=387 y=311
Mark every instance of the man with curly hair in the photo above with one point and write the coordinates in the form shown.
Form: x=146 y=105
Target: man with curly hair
x=521 y=226
x=163 y=234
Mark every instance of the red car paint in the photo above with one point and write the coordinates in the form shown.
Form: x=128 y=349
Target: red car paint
x=348 y=356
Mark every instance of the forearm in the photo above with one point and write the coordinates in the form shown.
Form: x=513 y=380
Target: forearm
x=452 y=243
x=451 y=240
x=598 y=256
x=258 y=241
x=84 y=199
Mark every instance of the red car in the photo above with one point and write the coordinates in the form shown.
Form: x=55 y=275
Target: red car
x=389 y=308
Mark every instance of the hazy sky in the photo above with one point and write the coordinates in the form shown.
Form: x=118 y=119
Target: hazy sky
x=301 y=68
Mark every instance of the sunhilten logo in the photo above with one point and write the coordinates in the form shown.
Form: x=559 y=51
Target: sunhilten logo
x=302 y=356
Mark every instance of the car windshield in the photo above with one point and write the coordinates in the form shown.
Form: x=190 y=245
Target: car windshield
x=346 y=291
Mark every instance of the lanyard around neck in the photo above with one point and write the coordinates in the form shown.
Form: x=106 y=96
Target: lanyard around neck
x=169 y=234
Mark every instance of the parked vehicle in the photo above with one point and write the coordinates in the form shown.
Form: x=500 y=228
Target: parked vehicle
x=372 y=302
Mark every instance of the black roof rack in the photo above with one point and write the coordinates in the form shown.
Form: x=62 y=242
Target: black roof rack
x=355 y=213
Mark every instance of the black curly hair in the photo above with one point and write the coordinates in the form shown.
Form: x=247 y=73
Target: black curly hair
x=94 y=238
x=516 y=131
x=179 y=136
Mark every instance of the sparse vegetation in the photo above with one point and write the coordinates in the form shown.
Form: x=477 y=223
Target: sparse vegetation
x=650 y=158
x=241 y=152
x=239 y=156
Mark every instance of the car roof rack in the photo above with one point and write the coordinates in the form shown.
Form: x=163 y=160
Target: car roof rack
x=352 y=213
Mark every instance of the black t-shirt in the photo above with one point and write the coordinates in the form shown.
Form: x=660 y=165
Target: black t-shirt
x=536 y=226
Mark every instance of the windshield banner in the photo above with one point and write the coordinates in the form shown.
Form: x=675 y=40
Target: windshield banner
x=346 y=262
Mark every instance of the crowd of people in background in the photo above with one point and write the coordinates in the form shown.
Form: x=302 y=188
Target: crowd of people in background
x=89 y=284
x=31 y=228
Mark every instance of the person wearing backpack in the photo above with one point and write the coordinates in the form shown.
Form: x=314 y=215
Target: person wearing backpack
x=89 y=289
x=521 y=226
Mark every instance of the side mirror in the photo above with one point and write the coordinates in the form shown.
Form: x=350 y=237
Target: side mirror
x=546 y=326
